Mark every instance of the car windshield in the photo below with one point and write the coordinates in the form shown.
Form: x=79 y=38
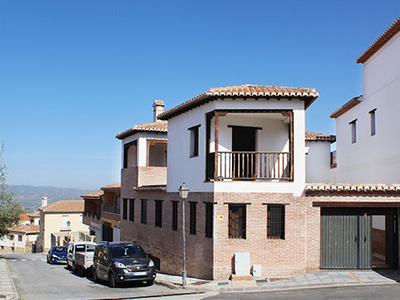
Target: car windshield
x=127 y=252
x=81 y=248
x=60 y=249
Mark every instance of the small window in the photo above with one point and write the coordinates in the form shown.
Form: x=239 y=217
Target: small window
x=11 y=237
x=192 y=217
x=372 y=116
x=125 y=209
x=20 y=238
x=175 y=215
x=131 y=210
x=64 y=221
x=143 y=211
x=237 y=221
x=209 y=219
x=158 y=213
x=194 y=141
x=353 y=126
x=276 y=222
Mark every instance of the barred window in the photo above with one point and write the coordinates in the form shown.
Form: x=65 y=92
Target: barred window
x=143 y=211
x=124 y=208
x=158 y=213
x=209 y=219
x=175 y=215
x=276 y=222
x=192 y=217
x=131 y=210
x=237 y=221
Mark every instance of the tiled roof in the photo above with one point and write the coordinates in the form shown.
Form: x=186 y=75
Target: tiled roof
x=246 y=90
x=346 y=107
x=25 y=228
x=114 y=186
x=352 y=187
x=95 y=194
x=380 y=41
x=314 y=136
x=34 y=214
x=23 y=217
x=161 y=127
x=64 y=206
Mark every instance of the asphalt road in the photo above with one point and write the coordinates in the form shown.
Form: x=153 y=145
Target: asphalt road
x=367 y=292
x=35 y=279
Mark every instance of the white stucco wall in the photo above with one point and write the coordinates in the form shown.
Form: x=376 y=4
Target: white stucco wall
x=318 y=161
x=192 y=170
x=373 y=159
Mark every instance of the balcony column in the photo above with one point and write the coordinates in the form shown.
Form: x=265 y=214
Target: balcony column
x=216 y=142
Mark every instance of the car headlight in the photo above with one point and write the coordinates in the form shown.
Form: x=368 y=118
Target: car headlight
x=55 y=256
x=119 y=265
x=151 y=263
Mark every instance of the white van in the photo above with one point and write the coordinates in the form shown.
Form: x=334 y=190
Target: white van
x=81 y=246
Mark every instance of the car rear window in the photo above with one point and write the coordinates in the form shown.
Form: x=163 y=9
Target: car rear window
x=127 y=252
x=90 y=248
x=80 y=248
x=59 y=249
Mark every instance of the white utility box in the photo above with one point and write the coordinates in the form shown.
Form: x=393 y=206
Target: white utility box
x=256 y=271
x=242 y=263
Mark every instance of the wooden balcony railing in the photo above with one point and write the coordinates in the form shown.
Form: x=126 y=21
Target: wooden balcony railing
x=111 y=209
x=248 y=165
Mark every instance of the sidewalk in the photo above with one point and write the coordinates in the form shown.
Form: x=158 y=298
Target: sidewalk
x=311 y=280
x=7 y=288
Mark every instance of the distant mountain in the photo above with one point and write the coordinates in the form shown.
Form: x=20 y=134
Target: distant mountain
x=31 y=196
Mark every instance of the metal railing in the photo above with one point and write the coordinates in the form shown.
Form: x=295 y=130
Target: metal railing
x=111 y=209
x=250 y=165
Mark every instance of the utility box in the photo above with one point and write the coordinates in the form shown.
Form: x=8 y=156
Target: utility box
x=242 y=263
x=256 y=271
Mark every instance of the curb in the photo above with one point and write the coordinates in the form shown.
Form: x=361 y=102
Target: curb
x=16 y=294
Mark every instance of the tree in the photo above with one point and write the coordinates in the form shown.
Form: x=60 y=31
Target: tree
x=9 y=210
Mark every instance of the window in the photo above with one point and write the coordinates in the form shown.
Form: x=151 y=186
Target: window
x=175 y=215
x=276 y=222
x=192 y=217
x=130 y=150
x=125 y=209
x=131 y=210
x=372 y=116
x=11 y=237
x=237 y=221
x=353 y=131
x=194 y=141
x=20 y=238
x=209 y=219
x=143 y=217
x=158 y=213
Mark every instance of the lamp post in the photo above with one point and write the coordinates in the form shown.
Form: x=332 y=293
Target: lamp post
x=183 y=193
x=68 y=224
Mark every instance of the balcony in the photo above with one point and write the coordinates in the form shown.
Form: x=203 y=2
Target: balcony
x=111 y=209
x=252 y=165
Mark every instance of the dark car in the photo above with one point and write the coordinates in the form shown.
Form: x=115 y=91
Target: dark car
x=57 y=254
x=122 y=262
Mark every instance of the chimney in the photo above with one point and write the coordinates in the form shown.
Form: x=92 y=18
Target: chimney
x=44 y=201
x=158 y=106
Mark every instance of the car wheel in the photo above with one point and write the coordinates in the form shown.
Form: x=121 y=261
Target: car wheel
x=111 y=280
x=69 y=267
x=95 y=278
x=149 y=282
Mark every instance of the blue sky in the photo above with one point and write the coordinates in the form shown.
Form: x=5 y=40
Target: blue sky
x=75 y=73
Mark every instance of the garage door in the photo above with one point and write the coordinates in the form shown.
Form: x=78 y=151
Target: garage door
x=346 y=241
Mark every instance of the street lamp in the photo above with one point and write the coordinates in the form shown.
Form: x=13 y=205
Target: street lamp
x=68 y=224
x=183 y=193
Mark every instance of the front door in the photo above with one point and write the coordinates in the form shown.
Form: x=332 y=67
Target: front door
x=244 y=146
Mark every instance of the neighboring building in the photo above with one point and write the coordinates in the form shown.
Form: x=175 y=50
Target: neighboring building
x=34 y=218
x=367 y=126
x=24 y=219
x=92 y=214
x=21 y=239
x=59 y=222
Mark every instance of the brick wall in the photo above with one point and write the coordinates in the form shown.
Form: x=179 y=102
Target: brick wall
x=379 y=241
x=152 y=176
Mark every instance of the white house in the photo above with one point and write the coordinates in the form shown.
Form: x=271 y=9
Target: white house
x=367 y=126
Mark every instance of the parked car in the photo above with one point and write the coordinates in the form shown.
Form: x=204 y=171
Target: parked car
x=83 y=262
x=74 y=247
x=122 y=262
x=57 y=254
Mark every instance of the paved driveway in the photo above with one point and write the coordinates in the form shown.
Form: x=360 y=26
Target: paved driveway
x=35 y=279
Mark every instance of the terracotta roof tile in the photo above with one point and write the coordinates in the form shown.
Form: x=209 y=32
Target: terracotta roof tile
x=24 y=217
x=380 y=42
x=352 y=187
x=246 y=90
x=34 y=214
x=114 y=186
x=346 y=107
x=95 y=194
x=25 y=228
x=64 y=206
x=314 y=136
x=160 y=126
x=159 y=103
